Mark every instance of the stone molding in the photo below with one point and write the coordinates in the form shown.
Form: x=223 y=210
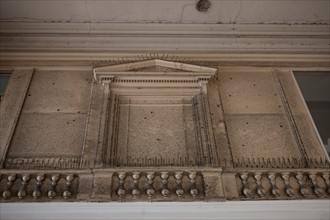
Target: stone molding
x=78 y=163
x=105 y=37
x=129 y=73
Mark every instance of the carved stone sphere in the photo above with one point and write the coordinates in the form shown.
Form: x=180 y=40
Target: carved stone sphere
x=6 y=194
x=66 y=194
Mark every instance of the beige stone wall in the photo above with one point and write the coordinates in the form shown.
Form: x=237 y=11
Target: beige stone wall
x=54 y=115
x=257 y=122
x=255 y=116
x=259 y=141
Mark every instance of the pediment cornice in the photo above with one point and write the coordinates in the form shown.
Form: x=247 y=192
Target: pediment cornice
x=136 y=72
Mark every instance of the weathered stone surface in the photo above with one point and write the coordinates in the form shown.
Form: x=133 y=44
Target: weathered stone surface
x=85 y=186
x=161 y=116
x=229 y=186
x=154 y=131
x=102 y=185
x=303 y=121
x=95 y=129
x=59 y=91
x=261 y=136
x=213 y=185
x=219 y=127
x=249 y=92
x=48 y=135
x=11 y=106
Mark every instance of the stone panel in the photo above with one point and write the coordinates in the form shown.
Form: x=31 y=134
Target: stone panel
x=102 y=185
x=59 y=91
x=261 y=136
x=249 y=92
x=154 y=131
x=307 y=131
x=11 y=106
x=48 y=135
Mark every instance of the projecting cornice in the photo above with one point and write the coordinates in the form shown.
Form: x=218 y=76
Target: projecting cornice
x=118 y=37
x=155 y=73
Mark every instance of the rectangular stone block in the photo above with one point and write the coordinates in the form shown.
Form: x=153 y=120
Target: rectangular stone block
x=213 y=185
x=48 y=135
x=102 y=185
x=230 y=188
x=85 y=186
x=59 y=91
x=261 y=136
x=249 y=92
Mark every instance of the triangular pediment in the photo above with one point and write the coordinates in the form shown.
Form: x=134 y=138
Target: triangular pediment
x=156 y=65
x=154 y=68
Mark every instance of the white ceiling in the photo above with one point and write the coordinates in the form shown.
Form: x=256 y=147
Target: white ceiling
x=167 y=11
x=243 y=26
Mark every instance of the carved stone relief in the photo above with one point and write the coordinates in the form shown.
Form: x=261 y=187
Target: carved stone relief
x=157 y=118
x=158 y=130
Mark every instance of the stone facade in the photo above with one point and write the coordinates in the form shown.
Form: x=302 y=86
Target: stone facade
x=158 y=129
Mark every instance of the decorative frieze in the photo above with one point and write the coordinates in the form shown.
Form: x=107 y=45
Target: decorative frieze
x=163 y=185
x=38 y=186
x=47 y=163
x=281 y=162
x=282 y=185
x=128 y=161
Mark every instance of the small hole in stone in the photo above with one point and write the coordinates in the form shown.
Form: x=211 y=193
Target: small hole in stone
x=151 y=112
x=29 y=95
x=218 y=106
x=158 y=139
x=254 y=84
x=231 y=77
x=275 y=94
x=203 y=5
x=58 y=109
x=229 y=95
x=145 y=117
x=73 y=120
x=279 y=106
x=281 y=126
x=247 y=123
x=78 y=112
x=243 y=145
x=246 y=106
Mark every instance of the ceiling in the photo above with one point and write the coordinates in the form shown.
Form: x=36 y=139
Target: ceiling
x=167 y=11
x=229 y=26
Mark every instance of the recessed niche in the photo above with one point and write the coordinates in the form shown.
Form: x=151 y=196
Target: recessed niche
x=158 y=130
x=152 y=127
x=158 y=117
